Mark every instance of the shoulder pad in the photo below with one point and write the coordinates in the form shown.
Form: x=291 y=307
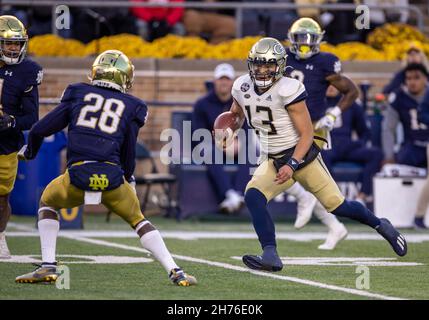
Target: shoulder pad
x=290 y=87
x=240 y=84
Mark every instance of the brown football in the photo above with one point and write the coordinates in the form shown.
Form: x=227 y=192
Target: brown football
x=226 y=120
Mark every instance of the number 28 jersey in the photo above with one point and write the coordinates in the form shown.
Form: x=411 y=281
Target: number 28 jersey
x=267 y=112
x=101 y=122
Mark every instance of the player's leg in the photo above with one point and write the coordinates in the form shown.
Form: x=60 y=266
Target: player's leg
x=259 y=191
x=58 y=194
x=8 y=170
x=316 y=178
x=123 y=201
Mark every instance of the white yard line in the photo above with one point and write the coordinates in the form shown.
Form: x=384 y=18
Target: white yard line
x=242 y=269
x=195 y=235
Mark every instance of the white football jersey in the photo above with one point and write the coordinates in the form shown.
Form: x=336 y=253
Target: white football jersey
x=267 y=113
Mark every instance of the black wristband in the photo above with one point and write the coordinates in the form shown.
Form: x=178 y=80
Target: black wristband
x=293 y=163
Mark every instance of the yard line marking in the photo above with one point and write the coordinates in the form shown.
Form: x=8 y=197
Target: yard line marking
x=242 y=269
x=195 y=235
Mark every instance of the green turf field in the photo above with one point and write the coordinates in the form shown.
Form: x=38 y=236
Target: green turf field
x=107 y=262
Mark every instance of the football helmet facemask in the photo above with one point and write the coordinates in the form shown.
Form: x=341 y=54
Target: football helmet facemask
x=13 y=40
x=266 y=62
x=305 y=36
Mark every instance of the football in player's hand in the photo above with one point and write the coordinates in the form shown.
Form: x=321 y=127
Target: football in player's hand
x=224 y=128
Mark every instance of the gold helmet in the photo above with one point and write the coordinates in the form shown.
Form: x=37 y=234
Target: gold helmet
x=305 y=36
x=12 y=33
x=112 y=69
x=267 y=51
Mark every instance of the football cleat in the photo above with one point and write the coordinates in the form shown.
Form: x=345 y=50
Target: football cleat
x=40 y=275
x=396 y=240
x=334 y=236
x=4 y=250
x=180 y=278
x=269 y=261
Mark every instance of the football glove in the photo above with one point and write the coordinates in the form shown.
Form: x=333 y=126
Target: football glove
x=328 y=120
x=6 y=121
x=21 y=153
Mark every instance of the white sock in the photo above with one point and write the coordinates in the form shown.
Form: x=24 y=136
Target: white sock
x=297 y=191
x=48 y=229
x=328 y=219
x=153 y=242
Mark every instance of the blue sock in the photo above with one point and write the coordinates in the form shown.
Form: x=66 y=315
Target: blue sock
x=356 y=211
x=261 y=218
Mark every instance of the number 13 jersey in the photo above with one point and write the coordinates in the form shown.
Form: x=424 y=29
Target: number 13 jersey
x=267 y=113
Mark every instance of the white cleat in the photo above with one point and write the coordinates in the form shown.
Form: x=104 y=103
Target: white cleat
x=232 y=203
x=4 y=250
x=334 y=237
x=305 y=206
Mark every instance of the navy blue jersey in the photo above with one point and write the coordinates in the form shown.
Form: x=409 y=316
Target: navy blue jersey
x=313 y=72
x=19 y=98
x=103 y=125
x=406 y=106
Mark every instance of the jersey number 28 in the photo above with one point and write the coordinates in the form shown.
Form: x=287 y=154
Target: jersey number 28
x=109 y=118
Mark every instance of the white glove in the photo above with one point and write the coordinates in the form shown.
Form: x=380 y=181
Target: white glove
x=21 y=152
x=224 y=138
x=328 y=120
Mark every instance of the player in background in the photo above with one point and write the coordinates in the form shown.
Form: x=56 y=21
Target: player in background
x=275 y=107
x=19 y=109
x=317 y=70
x=103 y=123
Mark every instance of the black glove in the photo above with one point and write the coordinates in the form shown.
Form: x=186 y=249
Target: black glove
x=6 y=122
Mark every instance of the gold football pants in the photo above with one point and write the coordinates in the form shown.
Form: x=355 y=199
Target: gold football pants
x=8 y=170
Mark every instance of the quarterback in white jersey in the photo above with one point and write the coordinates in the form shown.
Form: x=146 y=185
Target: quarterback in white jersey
x=275 y=107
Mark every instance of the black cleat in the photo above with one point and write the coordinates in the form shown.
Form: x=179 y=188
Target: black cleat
x=396 y=240
x=270 y=261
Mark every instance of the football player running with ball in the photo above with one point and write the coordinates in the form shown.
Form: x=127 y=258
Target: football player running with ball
x=275 y=107
x=19 y=109
x=103 y=123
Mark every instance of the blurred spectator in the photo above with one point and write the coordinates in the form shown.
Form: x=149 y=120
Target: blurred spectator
x=339 y=25
x=267 y=22
x=346 y=147
x=414 y=54
x=403 y=108
x=93 y=23
x=423 y=201
x=212 y=24
x=158 y=22
x=205 y=111
x=313 y=13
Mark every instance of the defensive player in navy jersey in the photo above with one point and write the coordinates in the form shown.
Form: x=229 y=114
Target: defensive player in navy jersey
x=19 y=109
x=404 y=103
x=317 y=70
x=103 y=123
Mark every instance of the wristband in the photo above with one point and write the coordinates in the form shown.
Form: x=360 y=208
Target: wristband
x=293 y=163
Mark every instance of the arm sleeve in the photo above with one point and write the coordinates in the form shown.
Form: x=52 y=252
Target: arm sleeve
x=30 y=107
x=128 y=151
x=54 y=121
x=423 y=109
x=390 y=121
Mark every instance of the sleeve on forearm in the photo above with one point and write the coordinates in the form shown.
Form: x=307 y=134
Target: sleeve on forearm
x=128 y=151
x=390 y=121
x=30 y=106
x=54 y=121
